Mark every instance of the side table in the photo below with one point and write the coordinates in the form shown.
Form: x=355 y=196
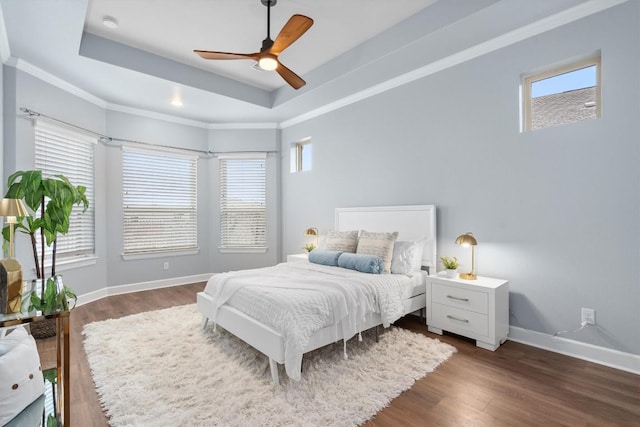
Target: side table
x=477 y=309
x=297 y=257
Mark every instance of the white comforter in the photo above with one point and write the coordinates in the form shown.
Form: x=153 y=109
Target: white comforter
x=298 y=299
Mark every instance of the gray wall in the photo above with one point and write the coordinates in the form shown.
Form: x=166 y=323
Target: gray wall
x=555 y=211
x=23 y=90
x=239 y=140
x=111 y=269
x=152 y=131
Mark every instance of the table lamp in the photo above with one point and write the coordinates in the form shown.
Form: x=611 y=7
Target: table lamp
x=312 y=232
x=10 y=269
x=466 y=240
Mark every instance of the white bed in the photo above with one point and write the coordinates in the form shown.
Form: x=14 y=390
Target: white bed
x=413 y=223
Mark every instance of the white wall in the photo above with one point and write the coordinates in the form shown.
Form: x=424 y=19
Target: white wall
x=555 y=211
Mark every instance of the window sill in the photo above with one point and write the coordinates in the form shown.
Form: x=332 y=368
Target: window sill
x=70 y=264
x=148 y=255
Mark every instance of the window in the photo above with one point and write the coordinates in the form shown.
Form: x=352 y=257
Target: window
x=60 y=150
x=243 y=202
x=159 y=201
x=301 y=156
x=563 y=95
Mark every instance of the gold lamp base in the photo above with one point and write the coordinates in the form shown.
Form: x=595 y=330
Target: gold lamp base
x=10 y=286
x=468 y=276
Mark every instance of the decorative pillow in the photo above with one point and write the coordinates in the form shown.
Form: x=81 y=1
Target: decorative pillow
x=407 y=257
x=12 y=339
x=378 y=244
x=362 y=263
x=22 y=381
x=345 y=241
x=324 y=257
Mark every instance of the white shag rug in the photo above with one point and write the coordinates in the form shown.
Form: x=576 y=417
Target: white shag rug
x=162 y=369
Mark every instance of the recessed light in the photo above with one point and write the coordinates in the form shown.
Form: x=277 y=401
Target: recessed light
x=176 y=102
x=110 y=22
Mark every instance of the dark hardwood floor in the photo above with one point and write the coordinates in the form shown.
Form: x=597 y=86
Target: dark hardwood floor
x=516 y=385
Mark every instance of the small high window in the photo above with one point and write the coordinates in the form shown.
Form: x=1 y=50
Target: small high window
x=562 y=95
x=301 y=156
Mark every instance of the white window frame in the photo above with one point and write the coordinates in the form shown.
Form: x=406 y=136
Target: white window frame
x=528 y=81
x=297 y=150
x=63 y=150
x=252 y=183
x=159 y=205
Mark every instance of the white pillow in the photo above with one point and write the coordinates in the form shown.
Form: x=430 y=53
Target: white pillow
x=22 y=380
x=12 y=339
x=378 y=244
x=407 y=257
x=344 y=241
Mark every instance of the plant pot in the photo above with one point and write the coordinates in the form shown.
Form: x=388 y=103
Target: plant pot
x=452 y=273
x=46 y=328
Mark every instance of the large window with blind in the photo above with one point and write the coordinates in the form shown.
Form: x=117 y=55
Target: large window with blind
x=243 y=202
x=60 y=150
x=159 y=201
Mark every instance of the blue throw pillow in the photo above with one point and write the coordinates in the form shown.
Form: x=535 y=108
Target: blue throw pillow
x=362 y=263
x=324 y=257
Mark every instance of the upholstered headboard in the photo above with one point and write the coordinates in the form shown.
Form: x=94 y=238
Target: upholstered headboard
x=415 y=222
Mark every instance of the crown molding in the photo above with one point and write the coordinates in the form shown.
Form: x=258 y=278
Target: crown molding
x=154 y=115
x=218 y=126
x=47 y=77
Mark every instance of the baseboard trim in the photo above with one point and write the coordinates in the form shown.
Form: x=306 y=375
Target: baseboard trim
x=592 y=353
x=141 y=286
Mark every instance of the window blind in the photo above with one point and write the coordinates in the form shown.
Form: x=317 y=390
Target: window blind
x=159 y=201
x=243 y=201
x=62 y=151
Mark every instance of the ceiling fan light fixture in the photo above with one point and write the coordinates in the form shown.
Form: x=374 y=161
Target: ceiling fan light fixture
x=268 y=63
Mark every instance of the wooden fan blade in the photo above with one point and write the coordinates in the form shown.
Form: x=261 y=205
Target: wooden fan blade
x=295 y=27
x=208 y=54
x=294 y=80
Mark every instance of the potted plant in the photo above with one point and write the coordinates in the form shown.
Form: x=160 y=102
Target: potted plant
x=309 y=247
x=451 y=264
x=55 y=198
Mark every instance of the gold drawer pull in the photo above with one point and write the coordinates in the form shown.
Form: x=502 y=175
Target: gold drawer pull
x=457 y=318
x=458 y=298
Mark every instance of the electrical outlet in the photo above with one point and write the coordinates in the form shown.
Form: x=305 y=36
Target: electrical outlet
x=166 y=267
x=589 y=316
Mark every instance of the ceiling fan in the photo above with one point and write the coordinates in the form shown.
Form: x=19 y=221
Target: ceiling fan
x=267 y=58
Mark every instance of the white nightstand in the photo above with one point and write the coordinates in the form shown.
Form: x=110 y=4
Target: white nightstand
x=297 y=257
x=477 y=309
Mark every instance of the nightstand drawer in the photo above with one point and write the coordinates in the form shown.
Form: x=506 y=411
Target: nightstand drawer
x=459 y=321
x=460 y=298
